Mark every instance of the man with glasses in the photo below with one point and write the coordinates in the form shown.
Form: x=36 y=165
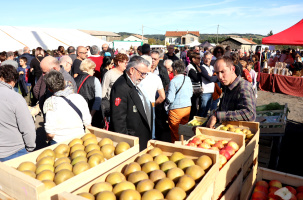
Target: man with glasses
x=66 y=62
x=81 y=55
x=131 y=111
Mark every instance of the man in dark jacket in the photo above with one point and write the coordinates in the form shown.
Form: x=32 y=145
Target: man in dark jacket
x=105 y=48
x=170 y=54
x=130 y=110
x=27 y=55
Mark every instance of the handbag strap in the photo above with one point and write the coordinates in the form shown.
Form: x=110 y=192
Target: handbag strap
x=82 y=84
x=73 y=106
x=181 y=86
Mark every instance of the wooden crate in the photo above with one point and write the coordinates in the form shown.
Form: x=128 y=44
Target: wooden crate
x=186 y=130
x=20 y=186
x=278 y=127
x=248 y=182
x=265 y=146
x=268 y=174
x=250 y=162
x=253 y=143
x=233 y=189
x=230 y=169
x=203 y=190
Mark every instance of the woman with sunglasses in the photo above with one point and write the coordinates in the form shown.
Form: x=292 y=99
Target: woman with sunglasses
x=107 y=64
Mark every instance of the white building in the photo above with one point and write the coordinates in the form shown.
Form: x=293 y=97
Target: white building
x=181 y=37
x=136 y=38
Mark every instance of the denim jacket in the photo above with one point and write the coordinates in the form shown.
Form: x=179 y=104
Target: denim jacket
x=182 y=99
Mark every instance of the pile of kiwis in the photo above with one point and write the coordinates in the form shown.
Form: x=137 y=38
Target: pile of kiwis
x=65 y=161
x=152 y=176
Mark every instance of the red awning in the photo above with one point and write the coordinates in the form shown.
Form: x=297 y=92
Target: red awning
x=290 y=36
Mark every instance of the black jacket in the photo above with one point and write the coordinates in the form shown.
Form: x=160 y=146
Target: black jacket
x=163 y=74
x=88 y=88
x=127 y=113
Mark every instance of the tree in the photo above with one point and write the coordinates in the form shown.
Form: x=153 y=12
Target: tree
x=270 y=33
x=151 y=41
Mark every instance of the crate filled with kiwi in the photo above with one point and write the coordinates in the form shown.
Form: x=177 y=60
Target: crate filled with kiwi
x=162 y=171
x=66 y=166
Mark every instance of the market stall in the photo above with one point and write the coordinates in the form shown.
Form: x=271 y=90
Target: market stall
x=290 y=85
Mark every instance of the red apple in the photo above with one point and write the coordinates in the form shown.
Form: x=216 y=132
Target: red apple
x=263 y=183
x=201 y=137
x=273 y=189
x=196 y=141
x=292 y=190
x=272 y=196
x=260 y=195
x=222 y=161
x=204 y=146
x=214 y=148
x=225 y=153
x=275 y=183
x=293 y=197
x=234 y=145
x=191 y=144
x=300 y=189
x=219 y=145
x=299 y=196
x=209 y=141
x=230 y=150
x=261 y=188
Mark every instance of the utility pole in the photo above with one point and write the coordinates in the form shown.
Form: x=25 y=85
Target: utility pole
x=142 y=32
x=217 y=33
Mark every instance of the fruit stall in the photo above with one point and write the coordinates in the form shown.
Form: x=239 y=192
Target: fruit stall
x=214 y=164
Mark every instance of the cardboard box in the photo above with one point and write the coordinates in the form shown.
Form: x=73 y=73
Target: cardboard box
x=20 y=186
x=203 y=190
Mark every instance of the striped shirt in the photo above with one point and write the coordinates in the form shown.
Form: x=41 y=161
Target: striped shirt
x=238 y=102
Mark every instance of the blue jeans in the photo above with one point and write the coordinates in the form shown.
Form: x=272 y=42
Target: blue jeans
x=214 y=104
x=51 y=142
x=15 y=155
x=206 y=99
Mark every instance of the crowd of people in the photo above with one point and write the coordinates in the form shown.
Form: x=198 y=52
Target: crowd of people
x=141 y=92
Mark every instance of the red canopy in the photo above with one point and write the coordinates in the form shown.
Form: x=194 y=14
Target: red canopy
x=290 y=36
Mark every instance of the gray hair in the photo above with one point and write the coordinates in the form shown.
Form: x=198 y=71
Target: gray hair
x=26 y=50
x=94 y=50
x=155 y=52
x=207 y=53
x=65 y=59
x=179 y=66
x=71 y=49
x=20 y=52
x=168 y=61
x=9 y=54
x=54 y=80
x=137 y=62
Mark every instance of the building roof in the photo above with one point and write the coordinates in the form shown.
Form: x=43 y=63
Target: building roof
x=181 y=33
x=103 y=33
x=140 y=36
x=249 y=40
x=241 y=40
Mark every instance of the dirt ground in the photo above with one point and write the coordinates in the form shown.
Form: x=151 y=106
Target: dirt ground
x=291 y=143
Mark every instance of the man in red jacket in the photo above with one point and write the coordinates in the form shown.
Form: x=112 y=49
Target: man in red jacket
x=95 y=56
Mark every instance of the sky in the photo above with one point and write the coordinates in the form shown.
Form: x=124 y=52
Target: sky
x=156 y=16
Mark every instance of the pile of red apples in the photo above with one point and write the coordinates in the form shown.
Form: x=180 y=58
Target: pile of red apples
x=226 y=148
x=273 y=190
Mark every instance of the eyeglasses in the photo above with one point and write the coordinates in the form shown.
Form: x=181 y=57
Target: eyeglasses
x=141 y=73
x=198 y=58
x=83 y=52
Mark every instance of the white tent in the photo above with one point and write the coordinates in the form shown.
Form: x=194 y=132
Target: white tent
x=13 y=38
x=194 y=43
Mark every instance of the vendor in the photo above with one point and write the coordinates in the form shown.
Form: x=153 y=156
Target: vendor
x=17 y=128
x=239 y=101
